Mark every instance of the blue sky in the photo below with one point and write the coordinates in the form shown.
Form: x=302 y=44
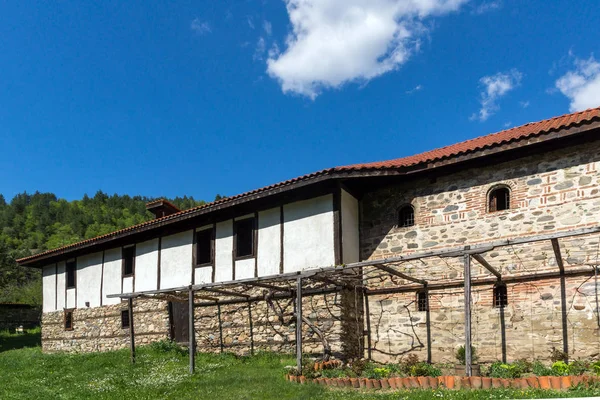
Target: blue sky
x=206 y=97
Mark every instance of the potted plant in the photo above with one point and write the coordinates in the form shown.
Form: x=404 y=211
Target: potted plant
x=459 y=369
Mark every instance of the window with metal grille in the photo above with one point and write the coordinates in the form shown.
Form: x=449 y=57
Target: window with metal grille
x=124 y=319
x=500 y=295
x=204 y=246
x=68 y=320
x=128 y=260
x=71 y=268
x=406 y=216
x=244 y=237
x=422 y=301
x=499 y=199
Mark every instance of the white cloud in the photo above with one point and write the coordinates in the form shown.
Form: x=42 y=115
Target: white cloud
x=259 y=50
x=338 y=41
x=582 y=84
x=487 y=6
x=524 y=104
x=508 y=124
x=494 y=87
x=250 y=22
x=267 y=27
x=200 y=27
x=415 y=89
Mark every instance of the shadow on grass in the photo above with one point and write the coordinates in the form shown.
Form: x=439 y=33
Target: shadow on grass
x=12 y=341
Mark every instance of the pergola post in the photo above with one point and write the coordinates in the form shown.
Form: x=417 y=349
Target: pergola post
x=299 y=324
x=192 y=332
x=368 y=319
x=131 y=331
x=468 y=355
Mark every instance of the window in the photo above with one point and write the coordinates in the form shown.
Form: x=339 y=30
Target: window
x=68 y=320
x=422 y=301
x=71 y=269
x=204 y=246
x=124 y=319
x=406 y=216
x=128 y=260
x=244 y=237
x=499 y=199
x=500 y=295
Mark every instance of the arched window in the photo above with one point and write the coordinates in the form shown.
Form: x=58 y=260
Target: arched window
x=499 y=199
x=406 y=216
x=500 y=295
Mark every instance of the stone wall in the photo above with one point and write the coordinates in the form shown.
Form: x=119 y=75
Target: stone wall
x=553 y=192
x=99 y=328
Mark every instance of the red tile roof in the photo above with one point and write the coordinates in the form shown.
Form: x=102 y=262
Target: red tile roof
x=484 y=142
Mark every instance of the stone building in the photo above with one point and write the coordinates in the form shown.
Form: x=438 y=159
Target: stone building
x=515 y=191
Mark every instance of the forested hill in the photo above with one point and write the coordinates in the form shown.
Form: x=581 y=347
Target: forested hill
x=31 y=223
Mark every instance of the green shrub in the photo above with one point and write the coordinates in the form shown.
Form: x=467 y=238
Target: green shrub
x=501 y=370
x=167 y=346
x=560 y=368
x=408 y=363
x=461 y=356
x=595 y=367
x=424 y=369
x=377 y=373
x=337 y=373
x=558 y=355
x=578 y=367
x=540 y=369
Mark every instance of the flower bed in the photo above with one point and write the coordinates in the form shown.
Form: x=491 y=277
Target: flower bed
x=452 y=382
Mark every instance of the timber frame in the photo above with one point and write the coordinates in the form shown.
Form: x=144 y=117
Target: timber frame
x=361 y=275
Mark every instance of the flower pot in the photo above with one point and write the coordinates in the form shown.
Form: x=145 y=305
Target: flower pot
x=544 y=382
x=328 y=382
x=433 y=382
x=533 y=382
x=293 y=378
x=576 y=380
x=486 y=383
x=505 y=382
x=465 y=382
x=385 y=384
x=375 y=383
x=496 y=383
x=369 y=384
x=392 y=382
x=423 y=382
x=355 y=383
x=555 y=382
x=302 y=379
x=406 y=383
x=413 y=382
x=449 y=382
x=362 y=382
x=475 y=382
x=348 y=383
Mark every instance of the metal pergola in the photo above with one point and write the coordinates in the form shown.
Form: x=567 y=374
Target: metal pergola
x=388 y=275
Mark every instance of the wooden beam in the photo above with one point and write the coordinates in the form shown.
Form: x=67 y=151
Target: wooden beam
x=131 y=330
x=270 y=287
x=557 y=254
x=468 y=355
x=479 y=258
x=392 y=271
x=227 y=293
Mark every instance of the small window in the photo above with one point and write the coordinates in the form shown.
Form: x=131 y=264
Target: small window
x=68 y=320
x=71 y=269
x=244 y=237
x=499 y=199
x=422 y=301
x=124 y=319
x=500 y=295
x=128 y=260
x=204 y=247
x=406 y=216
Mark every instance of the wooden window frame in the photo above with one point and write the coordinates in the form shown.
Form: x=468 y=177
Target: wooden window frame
x=65 y=312
x=74 y=263
x=401 y=213
x=212 y=247
x=123 y=261
x=500 y=300
x=422 y=305
x=124 y=321
x=236 y=223
x=492 y=199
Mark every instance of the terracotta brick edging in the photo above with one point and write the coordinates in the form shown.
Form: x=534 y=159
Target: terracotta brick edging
x=452 y=382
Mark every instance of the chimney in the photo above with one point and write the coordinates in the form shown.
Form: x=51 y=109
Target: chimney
x=161 y=208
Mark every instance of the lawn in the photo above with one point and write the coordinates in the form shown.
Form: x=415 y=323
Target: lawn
x=161 y=373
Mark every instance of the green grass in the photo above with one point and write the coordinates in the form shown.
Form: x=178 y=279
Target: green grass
x=161 y=373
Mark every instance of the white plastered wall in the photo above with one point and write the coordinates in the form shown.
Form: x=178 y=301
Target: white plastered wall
x=112 y=275
x=269 y=242
x=176 y=260
x=60 y=286
x=308 y=234
x=350 y=238
x=224 y=251
x=49 y=288
x=89 y=278
x=71 y=297
x=146 y=265
x=203 y=275
x=244 y=268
